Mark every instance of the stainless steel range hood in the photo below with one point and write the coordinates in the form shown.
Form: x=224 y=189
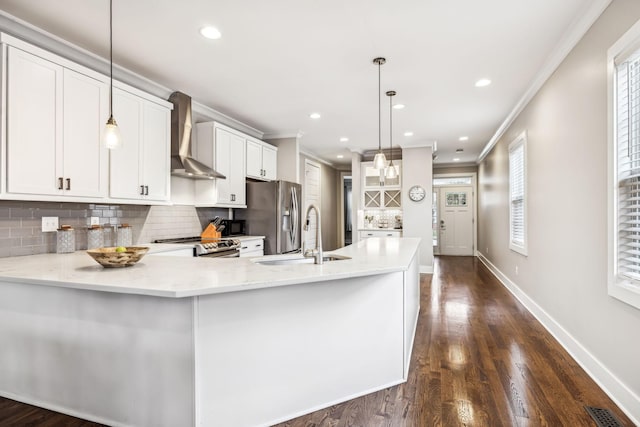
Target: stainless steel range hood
x=182 y=164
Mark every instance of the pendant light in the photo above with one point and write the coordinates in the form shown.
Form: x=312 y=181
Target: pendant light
x=111 y=137
x=379 y=161
x=392 y=172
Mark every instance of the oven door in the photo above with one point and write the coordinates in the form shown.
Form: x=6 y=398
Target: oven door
x=233 y=253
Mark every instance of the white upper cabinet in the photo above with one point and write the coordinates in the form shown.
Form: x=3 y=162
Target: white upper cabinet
x=140 y=167
x=262 y=160
x=222 y=149
x=54 y=118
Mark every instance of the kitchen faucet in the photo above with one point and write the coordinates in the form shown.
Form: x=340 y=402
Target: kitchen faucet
x=317 y=252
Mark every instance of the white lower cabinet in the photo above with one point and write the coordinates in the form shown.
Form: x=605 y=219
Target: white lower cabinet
x=140 y=167
x=365 y=234
x=54 y=121
x=224 y=150
x=252 y=247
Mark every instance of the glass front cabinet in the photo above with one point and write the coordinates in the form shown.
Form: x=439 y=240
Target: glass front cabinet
x=380 y=192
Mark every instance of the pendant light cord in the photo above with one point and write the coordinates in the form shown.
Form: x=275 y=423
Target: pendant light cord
x=111 y=58
x=379 y=112
x=390 y=131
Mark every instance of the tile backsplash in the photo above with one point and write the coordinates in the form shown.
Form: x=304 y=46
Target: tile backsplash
x=21 y=223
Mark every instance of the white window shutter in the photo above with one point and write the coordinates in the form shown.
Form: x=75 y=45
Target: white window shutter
x=517 y=195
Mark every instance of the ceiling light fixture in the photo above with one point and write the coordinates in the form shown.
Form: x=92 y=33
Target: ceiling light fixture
x=340 y=156
x=408 y=134
x=210 y=32
x=111 y=136
x=398 y=106
x=344 y=139
x=463 y=138
x=483 y=83
x=456 y=159
x=379 y=161
x=314 y=115
x=392 y=172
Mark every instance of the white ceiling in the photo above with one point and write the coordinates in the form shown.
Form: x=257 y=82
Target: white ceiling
x=280 y=60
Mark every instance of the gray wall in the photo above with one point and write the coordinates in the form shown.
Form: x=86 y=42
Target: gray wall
x=454 y=169
x=329 y=202
x=565 y=273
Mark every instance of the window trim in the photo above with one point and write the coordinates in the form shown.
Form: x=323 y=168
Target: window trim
x=618 y=287
x=519 y=141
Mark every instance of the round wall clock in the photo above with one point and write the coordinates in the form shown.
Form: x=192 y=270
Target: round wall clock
x=417 y=193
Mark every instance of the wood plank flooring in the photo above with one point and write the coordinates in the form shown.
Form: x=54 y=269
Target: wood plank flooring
x=479 y=359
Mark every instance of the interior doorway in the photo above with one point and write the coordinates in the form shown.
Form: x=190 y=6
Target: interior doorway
x=453 y=215
x=347 y=189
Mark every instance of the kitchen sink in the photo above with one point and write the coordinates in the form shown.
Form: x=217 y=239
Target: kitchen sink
x=297 y=260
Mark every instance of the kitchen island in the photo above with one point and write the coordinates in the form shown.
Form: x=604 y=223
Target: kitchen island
x=176 y=341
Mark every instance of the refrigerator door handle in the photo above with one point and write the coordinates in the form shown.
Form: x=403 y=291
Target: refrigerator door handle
x=294 y=220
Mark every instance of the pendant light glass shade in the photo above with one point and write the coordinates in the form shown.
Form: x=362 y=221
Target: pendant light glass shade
x=379 y=161
x=111 y=136
x=391 y=172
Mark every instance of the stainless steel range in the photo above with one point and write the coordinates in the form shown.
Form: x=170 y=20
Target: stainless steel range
x=222 y=248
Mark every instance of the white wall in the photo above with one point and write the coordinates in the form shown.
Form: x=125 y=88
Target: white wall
x=416 y=216
x=563 y=280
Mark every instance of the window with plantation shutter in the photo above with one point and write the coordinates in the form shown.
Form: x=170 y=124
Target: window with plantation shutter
x=624 y=167
x=518 y=194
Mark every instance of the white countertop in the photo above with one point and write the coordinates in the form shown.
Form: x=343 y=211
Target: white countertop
x=176 y=277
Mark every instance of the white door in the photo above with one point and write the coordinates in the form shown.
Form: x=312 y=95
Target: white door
x=84 y=114
x=456 y=221
x=156 y=151
x=34 y=131
x=125 y=178
x=311 y=196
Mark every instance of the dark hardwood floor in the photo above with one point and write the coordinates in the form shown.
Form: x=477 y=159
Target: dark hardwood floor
x=479 y=359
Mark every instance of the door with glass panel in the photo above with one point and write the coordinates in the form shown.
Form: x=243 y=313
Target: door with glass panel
x=455 y=222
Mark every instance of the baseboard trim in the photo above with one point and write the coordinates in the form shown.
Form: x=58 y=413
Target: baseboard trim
x=625 y=398
x=61 y=409
x=426 y=269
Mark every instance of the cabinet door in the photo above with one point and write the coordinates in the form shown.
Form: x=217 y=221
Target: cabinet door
x=156 y=151
x=34 y=117
x=84 y=116
x=125 y=177
x=269 y=162
x=254 y=159
x=222 y=149
x=237 y=176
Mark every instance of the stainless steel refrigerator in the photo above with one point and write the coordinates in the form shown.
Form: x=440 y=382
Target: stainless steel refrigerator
x=273 y=210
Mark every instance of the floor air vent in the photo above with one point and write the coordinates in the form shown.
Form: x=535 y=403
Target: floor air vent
x=603 y=417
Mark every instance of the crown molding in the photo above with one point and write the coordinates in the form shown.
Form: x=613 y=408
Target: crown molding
x=315 y=157
x=287 y=134
x=569 y=40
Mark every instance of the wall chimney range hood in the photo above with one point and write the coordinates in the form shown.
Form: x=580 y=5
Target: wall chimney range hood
x=182 y=164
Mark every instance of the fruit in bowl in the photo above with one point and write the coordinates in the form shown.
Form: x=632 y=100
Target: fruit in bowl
x=120 y=256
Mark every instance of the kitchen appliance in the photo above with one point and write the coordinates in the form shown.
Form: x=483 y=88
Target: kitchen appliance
x=182 y=164
x=273 y=210
x=232 y=227
x=218 y=248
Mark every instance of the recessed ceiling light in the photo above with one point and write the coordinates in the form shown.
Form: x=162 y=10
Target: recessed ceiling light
x=456 y=159
x=340 y=156
x=408 y=134
x=314 y=115
x=344 y=139
x=483 y=82
x=398 y=106
x=210 y=32
x=463 y=138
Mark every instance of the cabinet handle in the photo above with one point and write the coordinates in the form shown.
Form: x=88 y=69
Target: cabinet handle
x=142 y=190
x=60 y=180
x=257 y=245
x=243 y=247
x=369 y=234
x=68 y=184
x=389 y=235
x=146 y=190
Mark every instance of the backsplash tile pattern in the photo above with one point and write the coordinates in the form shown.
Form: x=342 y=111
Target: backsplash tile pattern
x=21 y=222
x=167 y=222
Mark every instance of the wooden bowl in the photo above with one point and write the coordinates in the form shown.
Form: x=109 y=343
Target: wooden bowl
x=109 y=258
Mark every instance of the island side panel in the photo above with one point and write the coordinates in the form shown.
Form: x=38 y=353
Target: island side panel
x=268 y=355
x=123 y=360
x=412 y=309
